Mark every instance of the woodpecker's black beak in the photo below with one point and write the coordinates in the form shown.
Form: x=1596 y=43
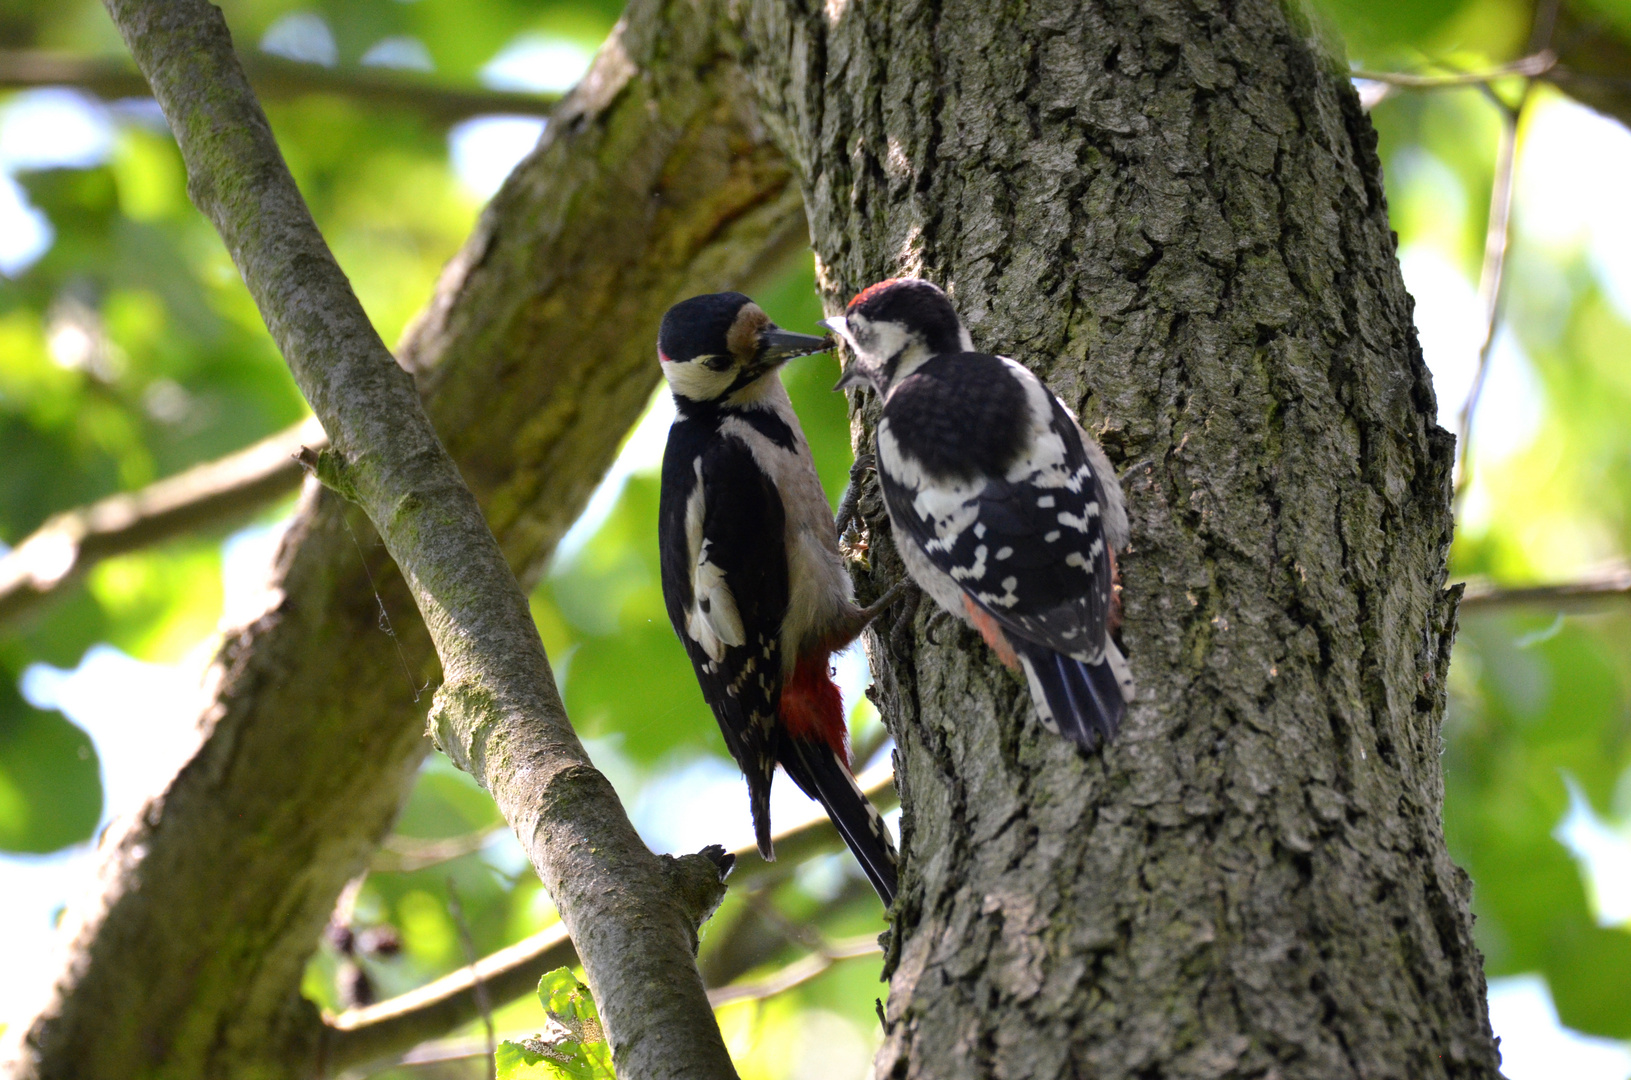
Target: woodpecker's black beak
x=853 y=377
x=777 y=346
x=853 y=374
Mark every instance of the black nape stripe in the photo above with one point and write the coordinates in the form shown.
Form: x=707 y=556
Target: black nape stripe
x=710 y=414
x=769 y=425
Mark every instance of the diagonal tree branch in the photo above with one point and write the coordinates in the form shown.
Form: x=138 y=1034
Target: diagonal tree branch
x=1530 y=66
x=1491 y=279
x=632 y=916
x=276 y=78
x=799 y=971
x=60 y=552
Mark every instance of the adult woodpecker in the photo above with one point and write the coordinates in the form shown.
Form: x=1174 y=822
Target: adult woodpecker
x=1003 y=509
x=753 y=579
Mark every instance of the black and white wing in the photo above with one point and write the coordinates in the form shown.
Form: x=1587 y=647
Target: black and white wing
x=1015 y=517
x=725 y=584
x=999 y=490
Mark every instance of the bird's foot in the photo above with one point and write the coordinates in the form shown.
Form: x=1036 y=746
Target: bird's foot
x=887 y=600
x=900 y=635
x=939 y=619
x=848 y=506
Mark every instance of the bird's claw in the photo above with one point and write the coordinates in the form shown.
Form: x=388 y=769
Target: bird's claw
x=936 y=620
x=900 y=635
x=848 y=505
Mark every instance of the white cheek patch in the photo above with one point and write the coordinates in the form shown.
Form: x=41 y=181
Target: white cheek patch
x=877 y=343
x=697 y=381
x=888 y=338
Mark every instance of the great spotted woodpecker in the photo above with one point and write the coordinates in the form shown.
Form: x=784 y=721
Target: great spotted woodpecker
x=752 y=575
x=1003 y=509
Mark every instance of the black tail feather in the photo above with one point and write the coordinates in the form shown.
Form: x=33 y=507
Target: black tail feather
x=825 y=778
x=1083 y=702
x=759 y=805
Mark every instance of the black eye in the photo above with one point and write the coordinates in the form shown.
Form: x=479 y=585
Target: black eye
x=716 y=363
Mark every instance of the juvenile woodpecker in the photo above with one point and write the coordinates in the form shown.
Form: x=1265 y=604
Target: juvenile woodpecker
x=753 y=579
x=1004 y=510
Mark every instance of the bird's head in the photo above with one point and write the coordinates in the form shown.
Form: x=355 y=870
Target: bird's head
x=893 y=327
x=720 y=346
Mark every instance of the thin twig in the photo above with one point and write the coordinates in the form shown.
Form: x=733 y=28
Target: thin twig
x=799 y=971
x=1543 y=27
x=443 y=1051
x=1482 y=596
x=405 y=854
x=1530 y=66
x=456 y=909
x=1490 y=278
x=62 y=550
x=277 y=78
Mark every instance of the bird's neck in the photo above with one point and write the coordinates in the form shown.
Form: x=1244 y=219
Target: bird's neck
x=765 y=392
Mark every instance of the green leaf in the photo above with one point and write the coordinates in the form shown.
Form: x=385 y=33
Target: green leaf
x=1588 y=970
x=50 y=782
x=573 y=1046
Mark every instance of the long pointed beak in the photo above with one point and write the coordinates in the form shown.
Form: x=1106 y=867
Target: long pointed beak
x=838 y=325
x=777 y=346
x=853 y=376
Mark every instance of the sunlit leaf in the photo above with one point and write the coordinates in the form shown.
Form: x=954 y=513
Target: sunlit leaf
x=50 y=785
x=574 y=1045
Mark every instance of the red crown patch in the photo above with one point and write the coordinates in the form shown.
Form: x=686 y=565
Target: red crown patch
x=866 y=293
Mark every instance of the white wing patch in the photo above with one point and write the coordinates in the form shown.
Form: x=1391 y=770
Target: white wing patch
x=1048 y=458
x=948 y=507
x=1045 y=465
x=712 y=621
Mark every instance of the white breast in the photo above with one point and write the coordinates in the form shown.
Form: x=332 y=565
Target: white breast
x=819 y=589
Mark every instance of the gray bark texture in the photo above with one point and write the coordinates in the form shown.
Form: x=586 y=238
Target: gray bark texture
x=1173 y=212
x=658 y=184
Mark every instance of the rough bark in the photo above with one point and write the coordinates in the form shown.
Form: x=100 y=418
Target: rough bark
x=1174 y=213
x=215 y=893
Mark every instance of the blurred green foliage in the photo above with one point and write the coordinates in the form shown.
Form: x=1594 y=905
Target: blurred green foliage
x=129 y=350
x=1540 y=703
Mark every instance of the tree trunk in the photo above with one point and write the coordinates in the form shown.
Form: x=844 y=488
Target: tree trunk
x=1174 y=214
